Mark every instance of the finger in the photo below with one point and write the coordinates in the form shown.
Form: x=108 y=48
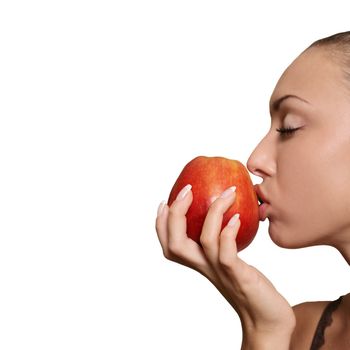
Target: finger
x=161 y=225
x=213 y=222
x=228 y=246
x=180 y=247
x=162 y=219
x=177 y=216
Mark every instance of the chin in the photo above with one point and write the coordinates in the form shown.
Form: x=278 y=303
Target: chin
x=284 y=239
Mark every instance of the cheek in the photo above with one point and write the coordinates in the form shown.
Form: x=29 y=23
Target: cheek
x=313 y=199
x=297 y=210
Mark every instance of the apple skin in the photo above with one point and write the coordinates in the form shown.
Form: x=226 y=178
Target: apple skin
x=209 y=177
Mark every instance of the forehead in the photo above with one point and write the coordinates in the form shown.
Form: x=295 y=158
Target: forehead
x=312 y=76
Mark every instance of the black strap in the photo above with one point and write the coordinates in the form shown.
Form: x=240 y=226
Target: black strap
x=325 y=321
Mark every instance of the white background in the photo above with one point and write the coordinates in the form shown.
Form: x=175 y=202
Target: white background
x=102 y=103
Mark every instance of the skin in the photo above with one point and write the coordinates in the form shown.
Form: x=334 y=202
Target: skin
x=310 y=166
x=306 y=181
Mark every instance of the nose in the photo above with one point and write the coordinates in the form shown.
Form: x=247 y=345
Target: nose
x=262 y=161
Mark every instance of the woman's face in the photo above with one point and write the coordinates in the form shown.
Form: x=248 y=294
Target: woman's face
x=306 y=174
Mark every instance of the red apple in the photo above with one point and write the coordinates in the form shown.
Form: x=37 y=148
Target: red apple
x=209 y=177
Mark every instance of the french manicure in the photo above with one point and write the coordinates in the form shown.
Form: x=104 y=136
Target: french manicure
x=182 y=194
x=233 y=220
x=228 y=192
x=160 y=208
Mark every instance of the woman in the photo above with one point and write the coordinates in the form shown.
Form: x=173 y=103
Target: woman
x=307 y=145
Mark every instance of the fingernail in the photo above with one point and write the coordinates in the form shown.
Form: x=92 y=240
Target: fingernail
x=228 y=192
x=233 y=220
x=161 y=208
x=182 y=194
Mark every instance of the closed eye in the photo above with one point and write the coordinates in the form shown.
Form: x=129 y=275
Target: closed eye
x=287 y=131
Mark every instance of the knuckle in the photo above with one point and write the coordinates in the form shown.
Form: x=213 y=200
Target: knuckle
x=206 y=241
x=225 y=262
x=170 y=255
x=173 y=211
x=216 y=208
x=166 y=254
x=174 y=248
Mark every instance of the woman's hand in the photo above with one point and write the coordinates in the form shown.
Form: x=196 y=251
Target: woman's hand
x=264 y=313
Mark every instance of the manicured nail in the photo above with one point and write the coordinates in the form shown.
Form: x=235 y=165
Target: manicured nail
x=233 y=220
x=161 y=208
x=228 y=192
x=182 y=194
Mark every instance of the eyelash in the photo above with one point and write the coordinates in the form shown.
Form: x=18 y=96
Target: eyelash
x=287 y=131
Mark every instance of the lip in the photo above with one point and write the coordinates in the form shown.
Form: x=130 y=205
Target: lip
x=261 y=195
x=264 y=205
x=262 y=212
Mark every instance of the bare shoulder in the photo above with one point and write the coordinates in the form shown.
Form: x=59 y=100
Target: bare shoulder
x=307 y=317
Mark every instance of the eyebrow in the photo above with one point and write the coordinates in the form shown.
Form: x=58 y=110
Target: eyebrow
x=276 y=104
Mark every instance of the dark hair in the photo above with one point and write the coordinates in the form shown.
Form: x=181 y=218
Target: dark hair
x=338 y=48
x=338 y=41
